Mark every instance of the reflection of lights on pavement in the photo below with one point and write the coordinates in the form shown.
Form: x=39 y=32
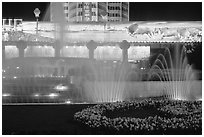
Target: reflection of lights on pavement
x=61 y=87
x=6 y=94
x=53 y=95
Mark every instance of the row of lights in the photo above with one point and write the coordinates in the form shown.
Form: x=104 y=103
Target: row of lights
x=51 y=95
x=3 y=70
x=41 y=76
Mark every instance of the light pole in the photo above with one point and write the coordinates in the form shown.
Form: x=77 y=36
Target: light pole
x=104 y=16
x=37 y=13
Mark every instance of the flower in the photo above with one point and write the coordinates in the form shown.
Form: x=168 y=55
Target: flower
x=183 y=114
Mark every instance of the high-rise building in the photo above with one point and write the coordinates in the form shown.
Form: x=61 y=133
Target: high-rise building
x=95 y=11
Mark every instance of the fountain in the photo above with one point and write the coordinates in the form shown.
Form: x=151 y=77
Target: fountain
x=106 y=81
x=175 y=73
x=72 y=71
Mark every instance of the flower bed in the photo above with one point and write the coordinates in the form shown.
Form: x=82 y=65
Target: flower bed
x=178 y=116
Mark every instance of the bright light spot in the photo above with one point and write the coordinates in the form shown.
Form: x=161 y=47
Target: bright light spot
x=4 y=77
x=14 y=77
x=114 y=101
x=6 y=94
x=61 y=87
x=17 y=67
x=68 y=102
x=179 y=98
x=4 y=70
x=114 y=61
x=36 y=95
x=53 y=95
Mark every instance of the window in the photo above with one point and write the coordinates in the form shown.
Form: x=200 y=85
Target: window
x=86 y=4
x=113 y=8
x=93 y=13
x=117 y=8
x=93 y=5
x=80 y=5
x=117 y=15
x=65 y=8
x=110 y=8
x=80 y=13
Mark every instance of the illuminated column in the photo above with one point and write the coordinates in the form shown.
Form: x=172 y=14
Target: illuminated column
x=91 y=45
x=57 y=47
x=21 y=45
x=10 y=22
x=4 y=22
x=124 y=45
x=15 y=24
x=3 y=53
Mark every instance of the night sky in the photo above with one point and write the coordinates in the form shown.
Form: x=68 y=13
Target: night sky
x=139 y=11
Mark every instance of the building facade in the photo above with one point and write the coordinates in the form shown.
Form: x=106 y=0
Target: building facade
x=95 y=11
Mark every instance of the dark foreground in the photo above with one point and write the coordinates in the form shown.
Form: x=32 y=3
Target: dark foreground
x=42 y=119
x=57 y=119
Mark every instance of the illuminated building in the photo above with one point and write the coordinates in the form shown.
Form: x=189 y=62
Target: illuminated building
x=95 y=11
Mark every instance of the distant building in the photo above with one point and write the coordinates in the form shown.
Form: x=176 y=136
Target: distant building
x=95 y=11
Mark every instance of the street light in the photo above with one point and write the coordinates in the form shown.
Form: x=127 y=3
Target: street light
x=37 y=13
x=104 y=16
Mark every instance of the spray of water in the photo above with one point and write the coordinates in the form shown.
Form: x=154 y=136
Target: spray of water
x=178 y=75
x=106 y=82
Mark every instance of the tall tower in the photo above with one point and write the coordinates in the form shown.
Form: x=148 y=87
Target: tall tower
x=95 y=11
